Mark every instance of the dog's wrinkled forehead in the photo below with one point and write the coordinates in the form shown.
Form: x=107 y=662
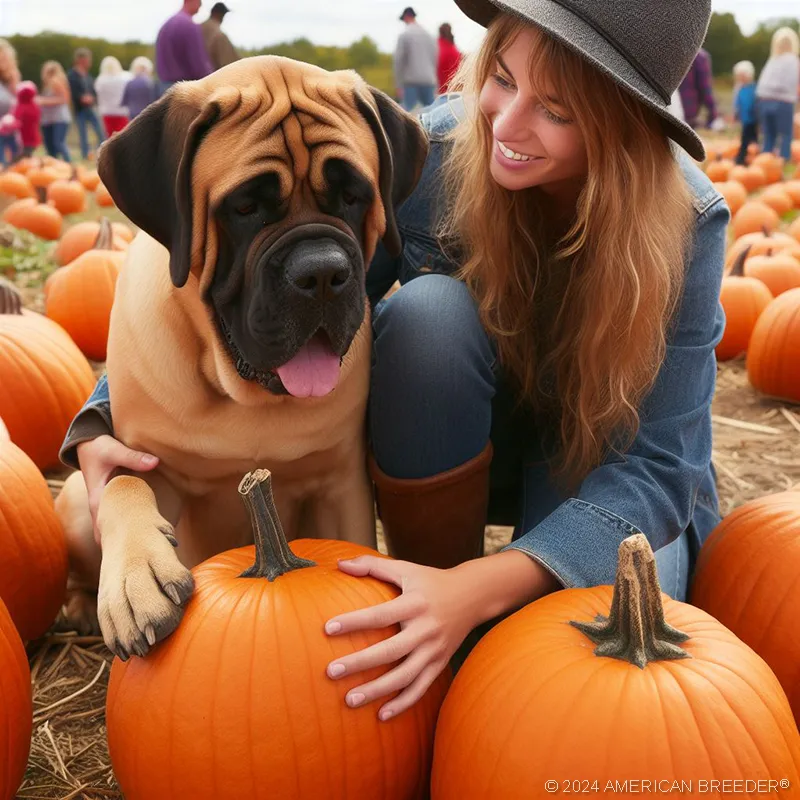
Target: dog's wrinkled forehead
x=282 y=116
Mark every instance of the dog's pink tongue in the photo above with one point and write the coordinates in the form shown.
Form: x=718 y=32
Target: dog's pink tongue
x=314 y=370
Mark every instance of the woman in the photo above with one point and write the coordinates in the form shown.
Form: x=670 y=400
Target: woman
x=776 y=92
x=449 y=57
x=110 y=86
x=56 y=116
x=140 y=91
x=552 y=364
x=9 y=78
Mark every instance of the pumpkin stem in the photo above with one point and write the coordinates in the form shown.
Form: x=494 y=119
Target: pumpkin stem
x=41 y=193
x=737 y=269
x=10 y=298
x=635 y=630
x=273 y=554
x=105 y=236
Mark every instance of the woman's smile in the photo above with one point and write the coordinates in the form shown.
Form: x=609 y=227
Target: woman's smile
x=513 y=159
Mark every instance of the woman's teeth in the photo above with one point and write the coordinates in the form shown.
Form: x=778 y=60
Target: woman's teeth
x=509 y=153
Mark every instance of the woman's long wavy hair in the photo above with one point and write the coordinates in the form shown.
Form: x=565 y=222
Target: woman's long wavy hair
x=580 y=318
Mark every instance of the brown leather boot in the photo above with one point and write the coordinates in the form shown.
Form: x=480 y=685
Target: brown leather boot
x=437 y=521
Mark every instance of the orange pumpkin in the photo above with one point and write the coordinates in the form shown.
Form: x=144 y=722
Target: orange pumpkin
x=41 y=177
x=754 y=217
x=751 y=178
x=89 y=178
x=771 y=165
x=792 y=188
x=758 y=244
x=68 y=196
x=746 y=577
x=778 y=271
x=16 y=707
x=794 y=229
x=719 y=169
x=734 y=193
x=24 y=165
x=796 y=151
x=16 y=185
x=102 y=197
x=777 y=198
x=41 y=219
x=83 y=236
x=45 y=380
x=79 y=296
x=241 y=691
x=537 y=708
x=743 y=299
x=774 y=351
x=33 y=570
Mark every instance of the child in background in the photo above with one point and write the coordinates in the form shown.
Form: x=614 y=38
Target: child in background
x=9 y=144
x=29 y=114
x=744 y=108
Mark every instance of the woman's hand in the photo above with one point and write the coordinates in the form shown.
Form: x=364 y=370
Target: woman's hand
x=434 y=619
x=436 y=611
x=100 y=458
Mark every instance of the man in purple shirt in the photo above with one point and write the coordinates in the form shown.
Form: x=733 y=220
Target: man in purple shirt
x=180 y=50
x=697 y=90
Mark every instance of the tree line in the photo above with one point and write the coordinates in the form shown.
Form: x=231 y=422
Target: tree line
x=727 y=44
x=362 y=55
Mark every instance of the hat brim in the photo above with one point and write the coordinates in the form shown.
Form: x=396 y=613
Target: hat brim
x=580 y=37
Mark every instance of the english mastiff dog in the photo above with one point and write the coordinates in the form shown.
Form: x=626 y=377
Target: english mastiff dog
x=240 y=334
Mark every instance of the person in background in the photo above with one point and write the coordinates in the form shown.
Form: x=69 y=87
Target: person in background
x=56 y=116
x=777 y=92
x=84 y=98
x=28 y=114
x=180 y=50
x=141 y=90
x=110 y=87
x=9 y=78
x=415 y=61
x=218 y=45
x=744 y=105
x=697 y=90
x=449 y=57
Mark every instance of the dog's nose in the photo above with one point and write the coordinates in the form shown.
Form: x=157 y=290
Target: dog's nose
x=318 y=268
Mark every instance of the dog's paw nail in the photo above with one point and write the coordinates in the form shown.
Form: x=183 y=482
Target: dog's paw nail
x=169 y=533
x=172 y=593
x=122 y=653
x=150 y=634
x=140 y=649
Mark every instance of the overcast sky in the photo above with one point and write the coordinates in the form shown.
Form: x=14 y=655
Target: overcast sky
x=255 y=23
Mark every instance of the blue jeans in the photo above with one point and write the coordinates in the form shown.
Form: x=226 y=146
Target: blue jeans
x=55 y=140
x=8 y=149
x=417 y=94
x=88 y=117
x=438 y=396
x=777 y=122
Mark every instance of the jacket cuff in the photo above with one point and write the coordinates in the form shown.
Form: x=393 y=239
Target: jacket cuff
x=578 y=543
x=91 y=422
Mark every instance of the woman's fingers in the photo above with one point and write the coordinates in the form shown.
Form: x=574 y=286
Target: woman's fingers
x=384 y=569
x=116 y=454
x=413 y=692
x=386 y=652
x=382 y=615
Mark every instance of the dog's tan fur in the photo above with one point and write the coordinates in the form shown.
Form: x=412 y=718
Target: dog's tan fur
x=175 y=393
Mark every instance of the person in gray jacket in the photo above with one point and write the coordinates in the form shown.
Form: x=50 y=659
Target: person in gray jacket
x=415 y=60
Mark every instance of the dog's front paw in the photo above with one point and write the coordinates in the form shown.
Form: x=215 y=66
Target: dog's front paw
x=143 y=590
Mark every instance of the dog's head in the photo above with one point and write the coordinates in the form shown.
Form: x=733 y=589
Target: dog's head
x=270 y=183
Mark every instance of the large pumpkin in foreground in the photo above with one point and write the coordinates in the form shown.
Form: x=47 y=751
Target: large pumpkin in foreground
x=16 y=708
x=33 y=565
x=237 y=704
x=44 y=381
x=748 y=577
x=773 y=356
x=668 y=694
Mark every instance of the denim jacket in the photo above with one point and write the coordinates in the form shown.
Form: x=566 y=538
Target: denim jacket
x=664 y=485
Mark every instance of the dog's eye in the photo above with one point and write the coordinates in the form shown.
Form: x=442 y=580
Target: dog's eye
x=246 y=210
x=349 y=198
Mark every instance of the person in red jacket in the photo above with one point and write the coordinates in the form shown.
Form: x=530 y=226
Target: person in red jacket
x=449 y=57
x=29 y=114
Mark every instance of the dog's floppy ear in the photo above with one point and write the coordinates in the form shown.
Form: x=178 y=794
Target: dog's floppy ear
x=403 y=147
x=147 y=169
